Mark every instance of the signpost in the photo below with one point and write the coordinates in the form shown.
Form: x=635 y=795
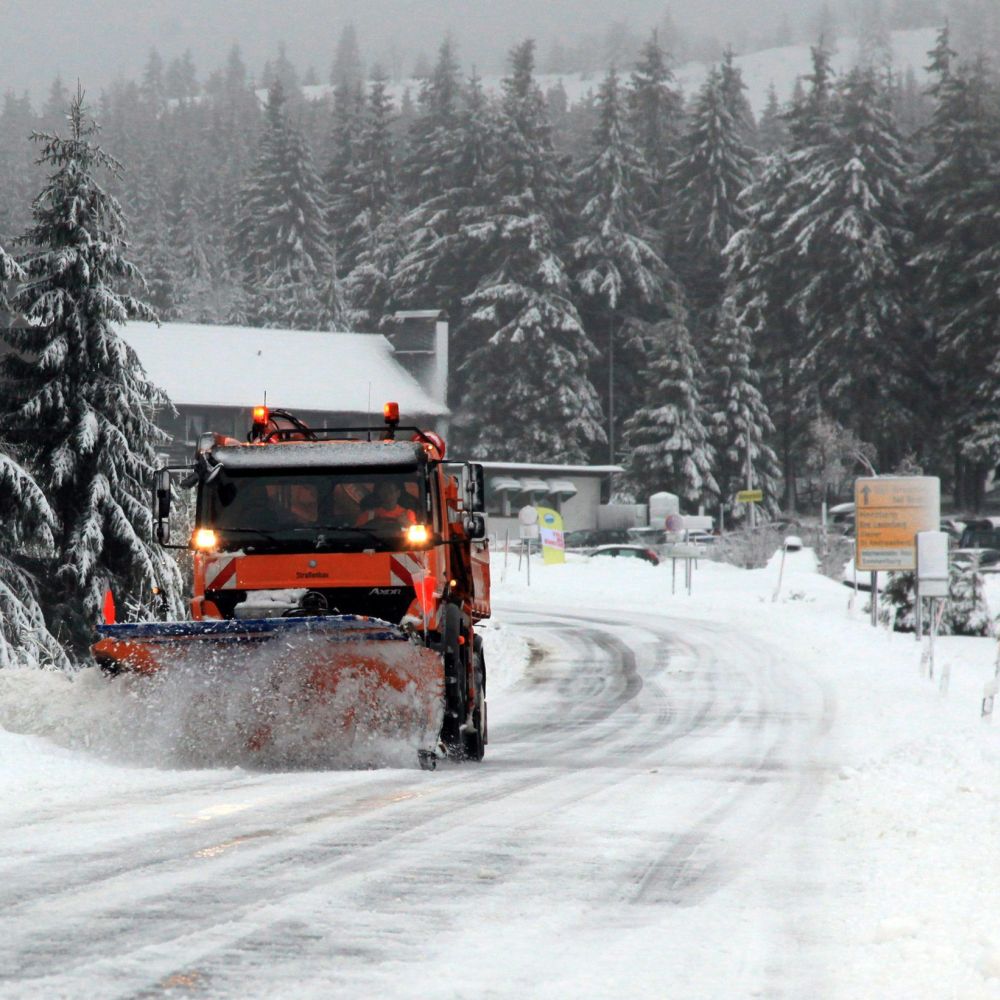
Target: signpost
x=889 y=511
x=750 y=496
x=527 y=518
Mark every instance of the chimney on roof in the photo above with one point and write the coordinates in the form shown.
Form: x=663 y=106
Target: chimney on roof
x=420 y=344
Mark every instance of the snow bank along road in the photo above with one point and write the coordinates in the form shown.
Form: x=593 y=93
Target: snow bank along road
x=612 y=841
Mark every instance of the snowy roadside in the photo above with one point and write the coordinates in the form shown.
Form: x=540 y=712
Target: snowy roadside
x=911 y=800
x=901 y=836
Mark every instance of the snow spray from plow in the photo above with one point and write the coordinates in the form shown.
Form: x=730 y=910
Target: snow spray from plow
x=287 y=693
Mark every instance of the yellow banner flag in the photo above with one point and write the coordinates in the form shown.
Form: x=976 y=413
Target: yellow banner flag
x=550 y=530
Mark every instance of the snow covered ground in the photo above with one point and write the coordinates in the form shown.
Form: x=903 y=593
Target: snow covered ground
x=715 y=795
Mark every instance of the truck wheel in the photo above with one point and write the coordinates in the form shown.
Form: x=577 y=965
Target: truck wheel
x=474 y=739
x=456 y=697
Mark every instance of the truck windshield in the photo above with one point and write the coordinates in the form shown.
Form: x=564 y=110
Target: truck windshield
x=346 y=511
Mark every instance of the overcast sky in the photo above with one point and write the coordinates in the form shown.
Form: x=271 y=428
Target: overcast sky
x=97 y=40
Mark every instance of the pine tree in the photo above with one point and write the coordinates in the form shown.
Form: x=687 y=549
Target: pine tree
x=26 y=530
x=347 y=71
x=656 y=112
x=621 y=277
x=26 y=526
x=372 y=243
x=282 y=231
x=338 y=178
x=667 y=439
x=957 y=209
x=78 y=401
x=849 y=241
x=765 y=267
x=740 y=420
x=17 y=121
x=759 y=279
x=429 y=164
x=524 y=385
x=772 y=131
x=735 y=98
x=444 y=257
x=707 y=181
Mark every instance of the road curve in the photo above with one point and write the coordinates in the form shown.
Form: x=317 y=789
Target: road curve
x=641 y=823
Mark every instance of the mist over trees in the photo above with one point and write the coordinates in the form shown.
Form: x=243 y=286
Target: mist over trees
x=641 y=275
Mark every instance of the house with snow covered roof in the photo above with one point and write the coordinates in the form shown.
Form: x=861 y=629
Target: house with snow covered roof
x=215 y=375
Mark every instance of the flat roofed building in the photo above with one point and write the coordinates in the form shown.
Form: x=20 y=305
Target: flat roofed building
x=576 y=491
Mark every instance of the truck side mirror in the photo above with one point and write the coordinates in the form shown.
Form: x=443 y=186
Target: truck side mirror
x=475 y=526
x=161 y=505
x=475 y=487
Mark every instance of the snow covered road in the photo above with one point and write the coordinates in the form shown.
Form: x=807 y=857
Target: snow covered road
x=717 y=796
x=635 y=780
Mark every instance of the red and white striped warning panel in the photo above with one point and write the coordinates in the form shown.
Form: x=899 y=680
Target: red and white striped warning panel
x=220 y=573
x=402 y=567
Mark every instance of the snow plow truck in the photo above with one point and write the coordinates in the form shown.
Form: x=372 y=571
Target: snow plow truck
x=353 y=559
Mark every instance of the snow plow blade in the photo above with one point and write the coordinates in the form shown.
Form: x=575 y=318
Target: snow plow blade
x=346 y=680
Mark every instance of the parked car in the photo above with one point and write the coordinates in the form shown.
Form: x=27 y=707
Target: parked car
x=648 y=536
x=589 y=538
x=627 y=552
x=981 y=533
x=981 y=560
x=701 y=538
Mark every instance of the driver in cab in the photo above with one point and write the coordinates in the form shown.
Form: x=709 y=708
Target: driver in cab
x=386 y=506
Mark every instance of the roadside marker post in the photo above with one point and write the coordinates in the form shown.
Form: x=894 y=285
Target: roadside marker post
x=931 y=584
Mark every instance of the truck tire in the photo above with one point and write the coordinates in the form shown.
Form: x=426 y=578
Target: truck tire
x=475 y=737
x=456 y=696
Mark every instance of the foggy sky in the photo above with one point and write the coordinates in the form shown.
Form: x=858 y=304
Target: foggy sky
x=99 y=40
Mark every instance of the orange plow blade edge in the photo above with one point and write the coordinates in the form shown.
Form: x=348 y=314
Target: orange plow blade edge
x=349 y=681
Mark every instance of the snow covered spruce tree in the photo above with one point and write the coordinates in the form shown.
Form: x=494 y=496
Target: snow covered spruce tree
x=78 y=403
x=705 y=184
x=281 y=233
x=667 y=439
x=372 y=238
x=847 y=243
x=26 y=541
x=656 y=114
x=739 y=418
x=765 y=268
x=525 y=389
x=621 y=277
x=958 y=263
x=452 y=153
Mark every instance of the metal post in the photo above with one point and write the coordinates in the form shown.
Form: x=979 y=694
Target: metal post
x=874 y=598
x=528 y=557
x=918 y=610
x=611 y=389
x=933 y=634
x=752 y=513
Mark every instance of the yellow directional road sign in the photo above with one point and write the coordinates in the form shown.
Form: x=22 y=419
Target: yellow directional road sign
x=888 y=513
x=750 y=496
